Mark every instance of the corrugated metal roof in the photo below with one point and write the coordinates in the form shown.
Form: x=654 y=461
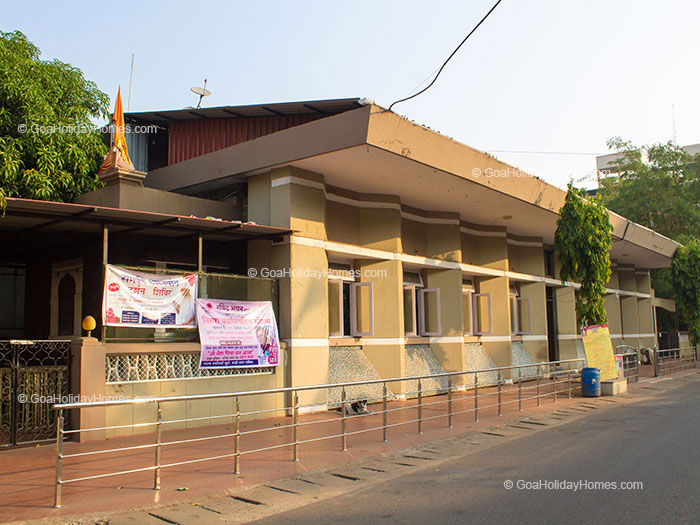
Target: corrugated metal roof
x=24 y=215
x=319 y=107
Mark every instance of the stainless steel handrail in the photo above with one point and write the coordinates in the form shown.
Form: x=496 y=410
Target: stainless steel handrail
x=557 y=373
x=146 y=400
x=670 y=360
x=633 y=357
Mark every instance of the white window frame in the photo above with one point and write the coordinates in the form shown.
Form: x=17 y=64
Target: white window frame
x=339 y=282
x=467 y=291
x=353 y=309
x=408 y=282
x=513 y=310
x=475 y=324
x=421 y=309
x=529 y=315
x=515 y=306
x=414 y=299
x=341 y=279
x=470 y=329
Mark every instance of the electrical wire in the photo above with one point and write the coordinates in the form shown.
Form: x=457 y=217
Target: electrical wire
x=448 y=58
x=585 y=153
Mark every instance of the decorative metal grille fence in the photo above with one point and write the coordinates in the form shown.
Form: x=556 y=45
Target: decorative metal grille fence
x=33 y=376
x=127 y=368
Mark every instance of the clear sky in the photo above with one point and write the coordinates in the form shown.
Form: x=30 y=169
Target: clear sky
x=538 y=76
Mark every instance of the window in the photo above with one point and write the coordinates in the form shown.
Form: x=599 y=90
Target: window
x=524 y=315
x=340 y=270
x=513 y=309
x=361 y=309
x=467 y=318
x=343 y=318
x=481 y=306
x=410 y=319
x=335 y=308
x=429 y=306
x=413 y=283
x=421 y=307
x=549 y=270
x=520 y=320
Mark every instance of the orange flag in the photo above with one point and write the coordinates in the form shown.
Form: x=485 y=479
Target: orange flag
x=118 y=138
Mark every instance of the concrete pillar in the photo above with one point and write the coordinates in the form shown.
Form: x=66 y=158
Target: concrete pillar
x=385 y=349
x=628 y=305
x=567 y=327
x=645 y=310
x=294 y=199
x=530 y=260
x=536 y=341
x=630 y=320
x=380 y=229
x=492 y=252
x=444 y=242
x=87 y=378
x=613 y=308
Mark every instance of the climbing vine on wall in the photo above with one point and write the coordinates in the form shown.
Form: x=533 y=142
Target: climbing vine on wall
x=685 y=276
x=582 y=241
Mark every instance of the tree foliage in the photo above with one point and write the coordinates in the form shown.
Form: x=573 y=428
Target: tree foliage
x=657 y=186
x=582 y=241
x=685 y=274
x=49 y=147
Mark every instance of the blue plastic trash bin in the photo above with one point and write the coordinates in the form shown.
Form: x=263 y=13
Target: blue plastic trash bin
x=590 y=382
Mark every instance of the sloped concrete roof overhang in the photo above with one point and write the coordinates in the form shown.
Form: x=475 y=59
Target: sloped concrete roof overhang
x=371 y=150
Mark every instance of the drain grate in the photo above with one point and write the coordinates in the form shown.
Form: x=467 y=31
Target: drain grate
x=247 y=500
x=344 y=476
x=373 y=469
x=522 y=428
x=538 y=423
x=307 y=481
x=206 y=508
x=281 y=489
x=163 y=519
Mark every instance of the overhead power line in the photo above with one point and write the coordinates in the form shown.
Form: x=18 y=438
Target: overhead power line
x=448 y=58
x=587 y=153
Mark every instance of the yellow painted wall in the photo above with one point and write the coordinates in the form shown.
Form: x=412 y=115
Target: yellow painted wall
x=343 y=223
x=146 y=413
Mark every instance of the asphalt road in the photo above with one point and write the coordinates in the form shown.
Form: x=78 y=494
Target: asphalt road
x=655 y=442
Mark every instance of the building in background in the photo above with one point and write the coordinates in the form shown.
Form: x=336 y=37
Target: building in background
x=608 y=164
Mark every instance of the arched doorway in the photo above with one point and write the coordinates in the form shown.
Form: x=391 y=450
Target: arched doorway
x=66 y=305
x=66 y=298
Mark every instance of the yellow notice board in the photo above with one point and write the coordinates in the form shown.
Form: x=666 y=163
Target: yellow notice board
x=599 y=350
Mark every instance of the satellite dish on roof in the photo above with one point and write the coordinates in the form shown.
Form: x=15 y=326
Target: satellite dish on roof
x=201 y=91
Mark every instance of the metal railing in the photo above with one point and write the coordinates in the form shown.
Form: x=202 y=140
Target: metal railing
x=630 y=366
x=674 y=360
x=465 y=392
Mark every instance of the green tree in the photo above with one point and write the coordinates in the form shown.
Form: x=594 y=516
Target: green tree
x=657 y=186
x=685 y=274
x=582 y=241
x=49 y=147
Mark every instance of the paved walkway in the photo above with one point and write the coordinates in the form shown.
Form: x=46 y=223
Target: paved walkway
x=472 y=487
x=27 y=474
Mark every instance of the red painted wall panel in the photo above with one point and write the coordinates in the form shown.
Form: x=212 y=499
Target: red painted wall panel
x=191 y=138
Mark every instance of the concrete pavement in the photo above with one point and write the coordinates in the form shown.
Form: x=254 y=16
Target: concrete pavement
x=556 y=476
